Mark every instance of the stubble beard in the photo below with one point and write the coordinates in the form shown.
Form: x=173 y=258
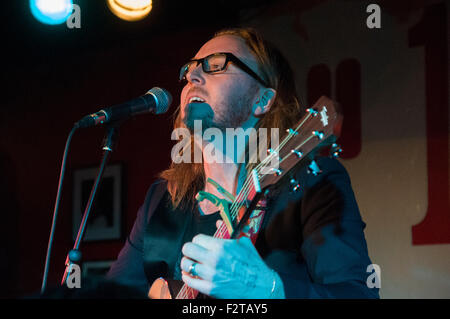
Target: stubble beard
x=231 y=113
x=236 y=113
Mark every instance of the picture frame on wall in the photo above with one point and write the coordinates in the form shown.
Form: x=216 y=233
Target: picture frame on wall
x=105 y=219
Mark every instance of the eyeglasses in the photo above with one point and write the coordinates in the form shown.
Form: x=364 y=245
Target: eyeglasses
x=217 y=62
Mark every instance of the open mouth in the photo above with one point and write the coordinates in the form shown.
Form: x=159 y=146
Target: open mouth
x=196 y=99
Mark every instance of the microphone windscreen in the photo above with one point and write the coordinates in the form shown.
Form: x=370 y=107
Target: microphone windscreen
x=163 y=99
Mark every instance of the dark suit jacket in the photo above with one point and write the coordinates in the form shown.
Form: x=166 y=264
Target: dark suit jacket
x=314 y=238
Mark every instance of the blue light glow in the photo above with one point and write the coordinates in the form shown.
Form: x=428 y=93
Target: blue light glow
x=51 y=11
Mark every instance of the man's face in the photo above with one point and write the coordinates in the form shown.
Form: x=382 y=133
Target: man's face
x=228 y=95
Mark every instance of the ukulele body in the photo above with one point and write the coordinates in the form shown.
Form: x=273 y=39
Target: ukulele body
x=163 y=288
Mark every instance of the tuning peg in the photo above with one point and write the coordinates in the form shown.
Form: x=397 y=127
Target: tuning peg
x=297 y=152
x=335 y=151
x=314 y=169
x=311 y=111
x=319 y=134
x=295 y=185
x=292 y=132
x=277 y=171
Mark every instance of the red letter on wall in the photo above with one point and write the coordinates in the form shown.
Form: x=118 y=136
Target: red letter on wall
x=431 y=32
x=348 y=95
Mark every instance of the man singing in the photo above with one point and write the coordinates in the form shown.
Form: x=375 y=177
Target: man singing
x=306 y=244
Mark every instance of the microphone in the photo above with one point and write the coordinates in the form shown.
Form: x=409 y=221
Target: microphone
x=156 y=101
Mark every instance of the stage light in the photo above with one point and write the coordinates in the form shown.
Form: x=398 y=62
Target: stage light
x=130 y=10
x=51 y=11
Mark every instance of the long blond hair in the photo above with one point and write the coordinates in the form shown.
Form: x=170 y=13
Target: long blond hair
x=185 y=180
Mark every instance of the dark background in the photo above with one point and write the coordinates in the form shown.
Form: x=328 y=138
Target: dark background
x=52 y=76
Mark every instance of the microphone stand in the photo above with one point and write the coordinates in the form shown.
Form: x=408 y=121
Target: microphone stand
x=74 y=255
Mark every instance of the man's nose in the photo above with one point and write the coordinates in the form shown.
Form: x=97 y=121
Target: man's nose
x=195 y=74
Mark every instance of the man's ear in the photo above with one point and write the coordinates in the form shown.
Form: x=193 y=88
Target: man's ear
x=264 y=102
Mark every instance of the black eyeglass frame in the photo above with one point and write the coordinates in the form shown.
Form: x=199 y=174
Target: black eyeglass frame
x=230 y=57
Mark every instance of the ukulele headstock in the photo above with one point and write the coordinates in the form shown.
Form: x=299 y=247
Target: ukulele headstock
x=318 y=128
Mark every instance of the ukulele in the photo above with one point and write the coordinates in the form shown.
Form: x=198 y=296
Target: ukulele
x=318 y=128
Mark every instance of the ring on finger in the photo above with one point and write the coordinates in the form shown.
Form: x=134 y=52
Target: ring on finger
x=192 y=271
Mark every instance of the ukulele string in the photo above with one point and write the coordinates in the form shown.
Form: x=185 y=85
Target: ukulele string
x=246 y=187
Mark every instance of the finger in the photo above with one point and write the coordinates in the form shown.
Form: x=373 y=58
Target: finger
x=203 y=286
x=208 y=242
x=195 y=252
x=201 y=270
x=185 y=264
